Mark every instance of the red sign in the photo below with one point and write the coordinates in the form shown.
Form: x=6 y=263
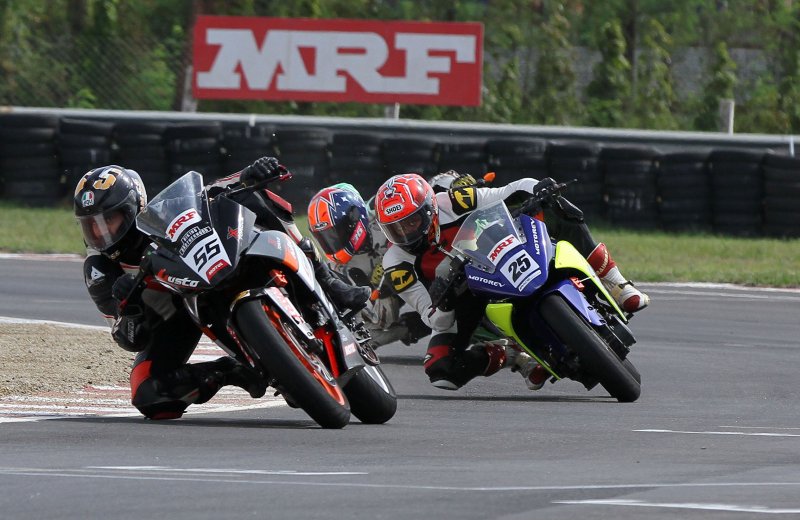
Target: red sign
x=338 y=60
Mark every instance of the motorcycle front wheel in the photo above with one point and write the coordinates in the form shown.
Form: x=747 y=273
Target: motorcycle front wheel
x=371 y=395
x=595 y=356
x=299 y=373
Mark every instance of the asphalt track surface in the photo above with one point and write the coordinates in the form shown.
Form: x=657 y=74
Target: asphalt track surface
x=716 y=433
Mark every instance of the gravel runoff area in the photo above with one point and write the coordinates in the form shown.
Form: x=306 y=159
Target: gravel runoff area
x=43 y=358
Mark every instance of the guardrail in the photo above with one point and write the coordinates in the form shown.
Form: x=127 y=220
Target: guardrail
x=731 y=184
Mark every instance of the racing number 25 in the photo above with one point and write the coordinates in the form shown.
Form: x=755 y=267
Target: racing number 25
x=518 y=266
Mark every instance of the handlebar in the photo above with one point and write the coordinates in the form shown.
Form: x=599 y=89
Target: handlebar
x=454 y=276
x=259 y=185
x=542 y=196
x=139 y=283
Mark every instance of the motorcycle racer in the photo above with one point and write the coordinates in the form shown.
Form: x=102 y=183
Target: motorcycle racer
x=421 y=224
x=345 y=228
x=154 y=323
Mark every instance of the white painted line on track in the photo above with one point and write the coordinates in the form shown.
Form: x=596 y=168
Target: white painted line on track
x=689 y=505
x=763 y=427
x=141 y=473
x=23 y=321
x=671 y=295
x=745 y=434
x=214 y=471
x=51 y=257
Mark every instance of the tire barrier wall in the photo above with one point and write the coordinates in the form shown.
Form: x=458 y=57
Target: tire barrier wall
x=740 y=192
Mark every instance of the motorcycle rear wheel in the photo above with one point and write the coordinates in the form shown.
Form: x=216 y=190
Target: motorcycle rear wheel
x=595 y=355
x=302 y=374
x=371 y=395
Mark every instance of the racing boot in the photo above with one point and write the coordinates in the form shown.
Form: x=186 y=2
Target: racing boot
x=343 y=294
x=534 y=374
x=228 y=371
x=623 y=291
x=498 y=357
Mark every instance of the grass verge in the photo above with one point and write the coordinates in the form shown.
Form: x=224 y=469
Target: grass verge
x=646 y=257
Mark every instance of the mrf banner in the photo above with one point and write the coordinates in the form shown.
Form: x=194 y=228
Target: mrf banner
x=365 y=61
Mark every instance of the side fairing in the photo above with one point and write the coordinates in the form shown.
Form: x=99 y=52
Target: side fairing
x=278 y=246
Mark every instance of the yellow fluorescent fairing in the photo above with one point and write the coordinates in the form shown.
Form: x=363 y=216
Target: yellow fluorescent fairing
x=500 y=315
x=566 y=257
x=569 y=257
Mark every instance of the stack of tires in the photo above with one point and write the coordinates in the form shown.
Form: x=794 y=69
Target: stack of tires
x=29 y=168
x=736 y=191
x=409 y=155
x=194 y=146
x=462 y=157
x=684 y=192
x=243 y=143
x=516 y=158
x=82 y=146
x=568 y=161
x=629 y=174
x=304 y=151
x=140 y=147
x=781 y=196
x=355 y=157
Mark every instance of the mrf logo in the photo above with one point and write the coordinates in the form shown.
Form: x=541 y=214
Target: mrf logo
x=501 y=249
x=338 y=60
x=183 y=220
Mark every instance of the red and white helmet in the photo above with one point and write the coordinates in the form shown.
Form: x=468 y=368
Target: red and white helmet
x=405 y=206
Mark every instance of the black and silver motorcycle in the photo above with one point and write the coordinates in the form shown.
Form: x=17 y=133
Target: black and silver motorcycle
x=253 y=292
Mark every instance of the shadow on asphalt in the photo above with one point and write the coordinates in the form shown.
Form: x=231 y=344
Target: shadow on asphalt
x=512 y=398
x=199 y=420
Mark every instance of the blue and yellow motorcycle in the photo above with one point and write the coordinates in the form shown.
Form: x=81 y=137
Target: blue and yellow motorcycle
x=544 y=295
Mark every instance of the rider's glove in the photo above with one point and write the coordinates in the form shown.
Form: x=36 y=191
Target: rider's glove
x=122 y=288
x=439 y=291
x=463 y=180
x=415 y=327
x=544 y=185
x=131 y=331
x=263 y=169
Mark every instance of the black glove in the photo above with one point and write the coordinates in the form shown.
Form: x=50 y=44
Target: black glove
x=122 y=288
x=544 y=185
x=415 y=327
x=131 y=331
x=440 y=292
x=263 y=169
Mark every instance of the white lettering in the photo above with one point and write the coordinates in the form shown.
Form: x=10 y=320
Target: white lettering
x=419 y=62
x=331 y=55
x=487 y=281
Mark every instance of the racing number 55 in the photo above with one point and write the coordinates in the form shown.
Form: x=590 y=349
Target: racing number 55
x=211 y=249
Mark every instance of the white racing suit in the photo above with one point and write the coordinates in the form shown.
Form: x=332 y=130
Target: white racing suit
x=382 y=317
x=448 y=362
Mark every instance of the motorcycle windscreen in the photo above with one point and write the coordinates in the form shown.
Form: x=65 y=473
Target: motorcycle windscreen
x=178 y=220
x=503 y=260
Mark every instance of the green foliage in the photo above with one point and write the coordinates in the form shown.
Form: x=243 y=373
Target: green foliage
x=654 y=97
x=555 y=101
x=132 y=55
x=762 y=113
x=610 y=89
x=722 y=76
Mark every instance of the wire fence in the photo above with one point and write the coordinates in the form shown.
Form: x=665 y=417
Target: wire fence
x=86 y=72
